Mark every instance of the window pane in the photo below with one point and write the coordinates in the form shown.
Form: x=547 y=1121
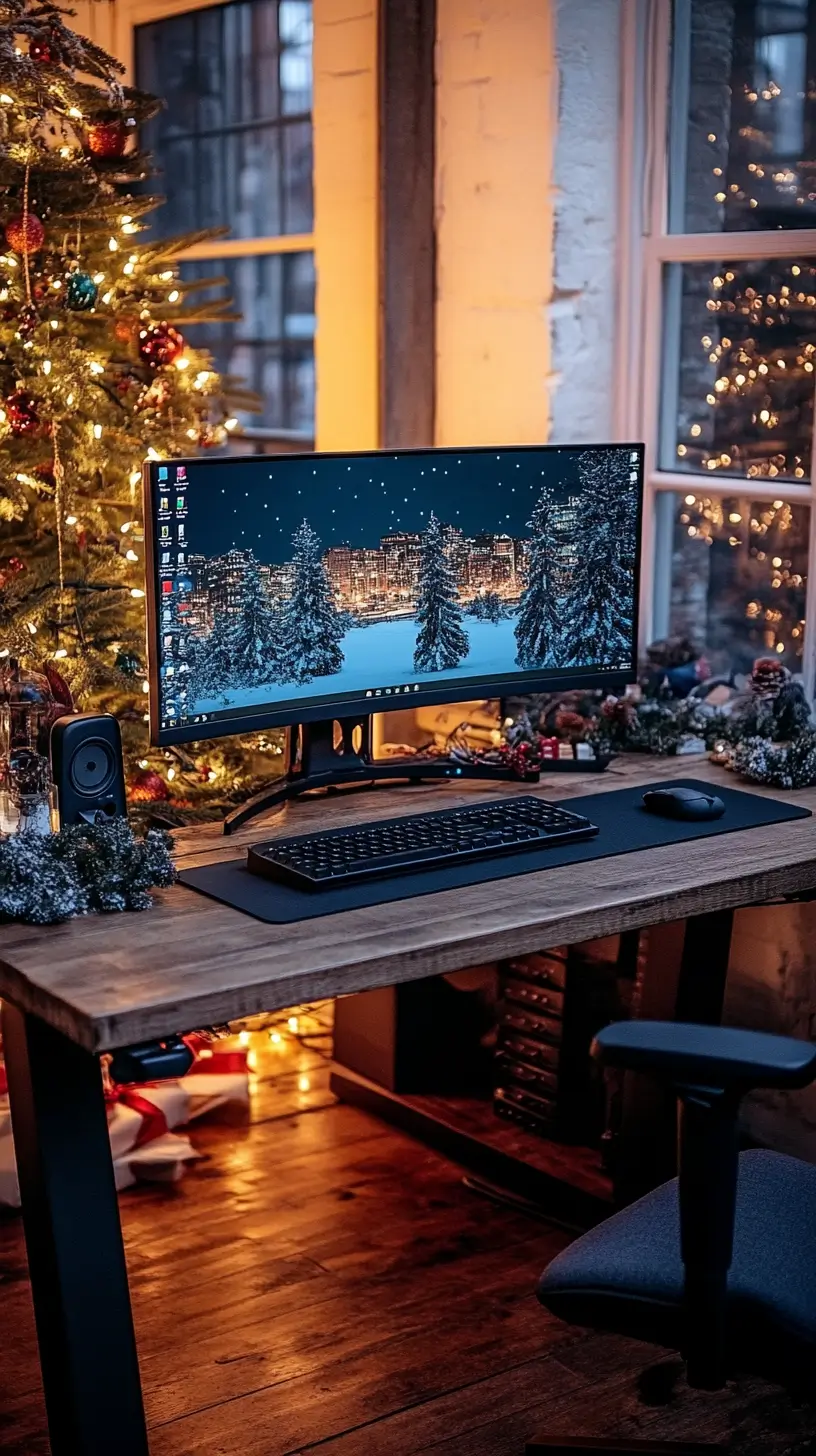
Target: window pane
x=744 y=118
x=739 y=573
x=234 y=143
x=739 y=368
x=271 y=347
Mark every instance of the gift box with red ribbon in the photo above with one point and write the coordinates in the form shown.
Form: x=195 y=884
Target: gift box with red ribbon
x=141 y=1118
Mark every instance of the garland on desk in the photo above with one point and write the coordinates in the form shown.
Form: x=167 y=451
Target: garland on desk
x=765 y=732
x=82 y=869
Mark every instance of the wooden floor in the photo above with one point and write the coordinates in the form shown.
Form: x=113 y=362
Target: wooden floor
x=323 y=1283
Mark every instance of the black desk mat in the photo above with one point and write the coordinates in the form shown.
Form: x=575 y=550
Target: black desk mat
x=623 y=823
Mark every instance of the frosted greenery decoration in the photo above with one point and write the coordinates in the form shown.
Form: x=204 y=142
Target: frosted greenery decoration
x=84 y=868
x=779 y=765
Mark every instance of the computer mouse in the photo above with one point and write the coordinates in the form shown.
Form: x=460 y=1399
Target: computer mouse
x=679 y=803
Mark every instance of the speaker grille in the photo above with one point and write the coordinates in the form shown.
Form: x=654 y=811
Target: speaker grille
x=92 y=768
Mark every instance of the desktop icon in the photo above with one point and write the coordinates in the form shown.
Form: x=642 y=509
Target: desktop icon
x=165 y=559
x=167 y=587
x=164 y=503
x=181 y=530
x=181 y=472
x=162 y=472
x=179 y=502
x=165 y=533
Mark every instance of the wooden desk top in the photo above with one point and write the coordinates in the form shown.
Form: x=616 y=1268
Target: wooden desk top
x=108 y=981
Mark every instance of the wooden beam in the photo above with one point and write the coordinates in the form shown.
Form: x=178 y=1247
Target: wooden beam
x=407 y=39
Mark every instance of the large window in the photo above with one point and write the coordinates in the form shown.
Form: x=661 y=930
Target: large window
x=234 y=146
x=728 y=363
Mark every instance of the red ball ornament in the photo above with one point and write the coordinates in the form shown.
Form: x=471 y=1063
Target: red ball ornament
x=107 y=139
x=160 y=344
x=148 y=787
x=21 y=412
x=12 y=568
x=27 y=320
x=25 y=234
x=42 y=52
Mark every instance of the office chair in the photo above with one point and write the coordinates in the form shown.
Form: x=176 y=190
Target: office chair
x=719 y=1263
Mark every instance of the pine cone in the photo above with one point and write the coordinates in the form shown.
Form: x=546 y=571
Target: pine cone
x=619 y=710
x=768 y=678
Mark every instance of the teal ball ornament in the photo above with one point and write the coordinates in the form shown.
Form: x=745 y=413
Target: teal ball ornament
x=80 y=292
x=128 y=663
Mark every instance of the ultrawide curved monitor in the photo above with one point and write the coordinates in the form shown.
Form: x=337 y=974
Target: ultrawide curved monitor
x=289 y=588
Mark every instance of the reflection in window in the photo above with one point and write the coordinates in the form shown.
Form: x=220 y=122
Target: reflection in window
x=739 y=575
x=740 y=366
x=234 y=142
x=744 y=116
x=271 y=347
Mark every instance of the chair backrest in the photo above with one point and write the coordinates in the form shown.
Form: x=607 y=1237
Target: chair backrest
x=711 y=1069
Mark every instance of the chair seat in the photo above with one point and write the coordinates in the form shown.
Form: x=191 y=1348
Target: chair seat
x=627 y=1275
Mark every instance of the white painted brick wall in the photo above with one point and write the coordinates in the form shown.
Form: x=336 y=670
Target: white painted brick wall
x=586 y=184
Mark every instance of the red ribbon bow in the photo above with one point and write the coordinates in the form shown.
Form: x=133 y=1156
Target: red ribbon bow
x=154 y=1122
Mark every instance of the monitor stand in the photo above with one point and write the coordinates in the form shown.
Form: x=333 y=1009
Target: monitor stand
x=313 y=761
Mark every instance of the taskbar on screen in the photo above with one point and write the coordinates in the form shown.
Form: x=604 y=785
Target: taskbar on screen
x=380 y=698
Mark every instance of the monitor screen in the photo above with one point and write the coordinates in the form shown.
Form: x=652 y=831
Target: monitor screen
x=296 y=587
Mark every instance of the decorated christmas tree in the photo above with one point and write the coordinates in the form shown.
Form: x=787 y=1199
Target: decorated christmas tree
x=539 y=630
x=96 y=370
x=598 y=608
x=441 y=641
x=311 y=627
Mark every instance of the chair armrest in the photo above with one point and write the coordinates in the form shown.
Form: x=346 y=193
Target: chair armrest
x=708 y=1056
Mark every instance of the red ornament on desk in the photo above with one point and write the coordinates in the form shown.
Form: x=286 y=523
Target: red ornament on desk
x=25 y=234
x=107 y=139
x=22 y=413
x=160 y=344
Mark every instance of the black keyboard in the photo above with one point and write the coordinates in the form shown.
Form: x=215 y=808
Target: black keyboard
x=419 y=841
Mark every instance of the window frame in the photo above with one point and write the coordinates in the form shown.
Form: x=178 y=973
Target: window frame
x=645 y=248
x=128 y=15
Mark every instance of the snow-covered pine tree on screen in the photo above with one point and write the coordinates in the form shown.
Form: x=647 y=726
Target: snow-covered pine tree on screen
x=211 y=672
x=599 y=605
x=311 y=626
x=489 y=607
x=441 y=642
x=256 y=636
x=539 y=629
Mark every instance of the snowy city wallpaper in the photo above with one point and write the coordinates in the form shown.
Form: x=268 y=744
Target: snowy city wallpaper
x=293 y=578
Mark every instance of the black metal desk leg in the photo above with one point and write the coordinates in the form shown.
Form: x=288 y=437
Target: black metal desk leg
x=704 y=968
x=74 y=1239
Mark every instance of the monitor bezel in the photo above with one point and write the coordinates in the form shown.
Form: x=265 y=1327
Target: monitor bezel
x=514 y=685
